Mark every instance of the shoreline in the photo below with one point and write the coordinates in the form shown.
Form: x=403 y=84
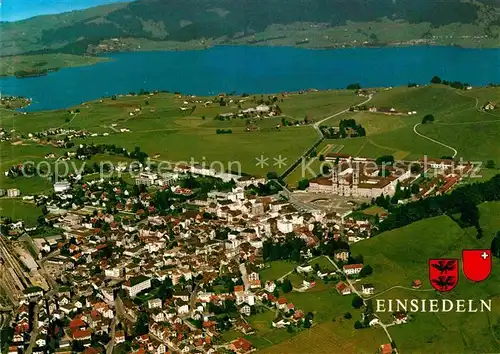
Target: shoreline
x=187 y=94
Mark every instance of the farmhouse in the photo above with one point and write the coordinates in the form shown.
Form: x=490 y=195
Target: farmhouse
x=367 y=289
x=489 y=106
x=13 y=192
x=352 y=269
x=437 y=163
x=343 y=288
x=241 y=346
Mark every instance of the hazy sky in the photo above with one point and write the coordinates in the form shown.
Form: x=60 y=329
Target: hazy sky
x=13 y=10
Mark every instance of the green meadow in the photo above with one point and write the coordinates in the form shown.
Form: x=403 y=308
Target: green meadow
x=162 y=129
x=459 y=123
x=401 y=256
x=16 y=209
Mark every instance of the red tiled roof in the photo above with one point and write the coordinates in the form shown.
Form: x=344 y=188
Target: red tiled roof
x=385 y=349
x=239 y=288
x=77 y=323
x=82 y=334
x=242 y=343
x=353 y=266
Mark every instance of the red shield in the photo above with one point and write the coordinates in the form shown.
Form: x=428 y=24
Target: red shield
x=476 y=264
x=443 y=273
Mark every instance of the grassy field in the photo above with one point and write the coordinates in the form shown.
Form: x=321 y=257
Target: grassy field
x=10 y=65
x=331 y=337
x=458 y=123
x=16 y=209
x=406 y=260
x=162 y=128
x=328 y=308
x=276 y=270
x=265 y=335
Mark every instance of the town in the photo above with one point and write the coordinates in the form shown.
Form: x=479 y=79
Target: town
x=174 y=261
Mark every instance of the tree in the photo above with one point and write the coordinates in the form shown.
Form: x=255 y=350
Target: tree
x=358 y=325
x=357 y=302
x=41 y=220
x=286 y=286
x=355 y=86
x=429 y=118
x=490 y=164
x=495 y=245
x=303 y=184
x=386 y=159
x=322 y=157
x=272 y=175
x=367 y=270
x=469 y=213
x=347 y=315
x=142 y=324
x=436 y=80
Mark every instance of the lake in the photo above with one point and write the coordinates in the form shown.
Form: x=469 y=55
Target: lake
x=255 y=70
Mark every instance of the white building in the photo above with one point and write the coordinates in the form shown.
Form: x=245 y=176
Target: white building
x=352 y=269
x=246 y=181
x=136 y=284
x=13 y=192
x=61 y=186
x=154 y=304
x=285 y=226
x=115 y=272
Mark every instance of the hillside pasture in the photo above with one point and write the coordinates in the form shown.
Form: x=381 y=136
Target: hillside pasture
x=400 y=256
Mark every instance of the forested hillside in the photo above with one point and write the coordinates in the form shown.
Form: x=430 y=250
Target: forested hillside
x=186 y=20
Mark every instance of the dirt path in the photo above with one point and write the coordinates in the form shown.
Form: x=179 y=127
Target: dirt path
x=455 y=152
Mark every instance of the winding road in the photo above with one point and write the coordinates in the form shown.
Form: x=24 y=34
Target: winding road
x=354 y=290
x=399 y=287
x=476 y=106
x=455 y=152
x=318 y=123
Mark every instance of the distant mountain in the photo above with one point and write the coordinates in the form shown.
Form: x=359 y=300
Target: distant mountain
x=185 y=20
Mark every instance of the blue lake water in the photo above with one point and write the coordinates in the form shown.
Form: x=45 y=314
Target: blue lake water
x=255 y=70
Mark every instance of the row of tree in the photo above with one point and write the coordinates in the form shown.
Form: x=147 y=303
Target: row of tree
x=454 y=84
x=461 y=200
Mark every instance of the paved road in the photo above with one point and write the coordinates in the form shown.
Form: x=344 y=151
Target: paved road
x=111 y=344
x=34 y=331
x=455 y=152
x=294 y=201
x=354 y=290
x=316 y=126
x=318 y=123
x=399 y=287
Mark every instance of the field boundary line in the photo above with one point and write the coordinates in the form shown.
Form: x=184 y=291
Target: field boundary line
x=381 y=146
x=398 y=287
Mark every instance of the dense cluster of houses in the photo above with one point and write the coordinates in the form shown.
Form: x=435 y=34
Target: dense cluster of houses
x=117 y=264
